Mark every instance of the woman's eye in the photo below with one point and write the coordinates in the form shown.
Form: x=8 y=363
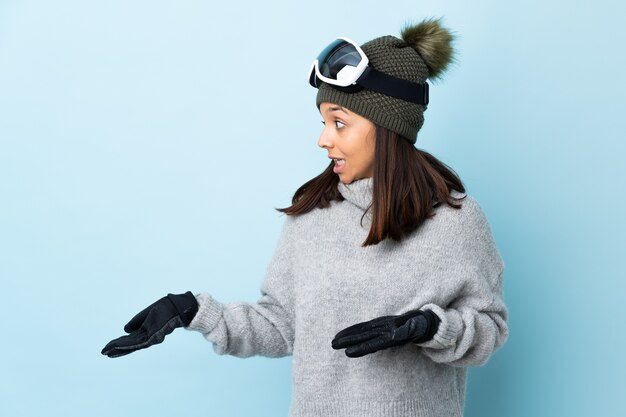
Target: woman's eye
x=338 y=124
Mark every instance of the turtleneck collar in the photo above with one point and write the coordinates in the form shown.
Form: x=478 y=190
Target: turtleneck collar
x=358 y=192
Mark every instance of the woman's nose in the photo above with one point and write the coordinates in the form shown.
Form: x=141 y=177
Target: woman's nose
x=324 y=141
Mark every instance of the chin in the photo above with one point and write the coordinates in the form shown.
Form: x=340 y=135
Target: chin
x=345 y=180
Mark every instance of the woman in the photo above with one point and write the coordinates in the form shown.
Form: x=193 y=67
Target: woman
x=386 y=283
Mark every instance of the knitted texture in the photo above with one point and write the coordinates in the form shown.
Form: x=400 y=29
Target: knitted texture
x=391 y=56
x=320 y=280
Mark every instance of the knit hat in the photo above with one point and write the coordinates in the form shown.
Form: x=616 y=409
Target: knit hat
x=424 y=52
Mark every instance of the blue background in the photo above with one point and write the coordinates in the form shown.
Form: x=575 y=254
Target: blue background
x=145 y=144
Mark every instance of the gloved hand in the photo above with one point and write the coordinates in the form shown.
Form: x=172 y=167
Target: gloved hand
x=152 y=324
x=384 y=332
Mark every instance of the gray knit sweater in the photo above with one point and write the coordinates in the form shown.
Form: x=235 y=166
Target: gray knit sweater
x=321 y=280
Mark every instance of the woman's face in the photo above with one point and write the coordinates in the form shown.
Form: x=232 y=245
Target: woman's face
x=351 y=138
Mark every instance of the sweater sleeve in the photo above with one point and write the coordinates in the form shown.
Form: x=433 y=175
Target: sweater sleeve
x=264 y=328
x=474 y=318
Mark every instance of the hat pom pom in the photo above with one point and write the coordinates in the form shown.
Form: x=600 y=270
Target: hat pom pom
x=434 y=44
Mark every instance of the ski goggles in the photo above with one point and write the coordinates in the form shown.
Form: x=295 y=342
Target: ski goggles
x=344 y=65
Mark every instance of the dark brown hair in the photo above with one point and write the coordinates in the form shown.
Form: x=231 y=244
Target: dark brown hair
x=407 y=184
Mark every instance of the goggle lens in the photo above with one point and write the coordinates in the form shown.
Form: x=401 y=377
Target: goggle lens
x=336 y=56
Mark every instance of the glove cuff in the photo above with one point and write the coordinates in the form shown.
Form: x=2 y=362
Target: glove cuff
x=186 y=305
x=432 y=321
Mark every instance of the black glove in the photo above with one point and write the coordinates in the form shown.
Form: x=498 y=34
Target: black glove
x=384 y=332
x=152 y=324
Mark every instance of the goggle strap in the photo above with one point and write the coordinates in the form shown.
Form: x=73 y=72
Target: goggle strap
x=392 y=86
